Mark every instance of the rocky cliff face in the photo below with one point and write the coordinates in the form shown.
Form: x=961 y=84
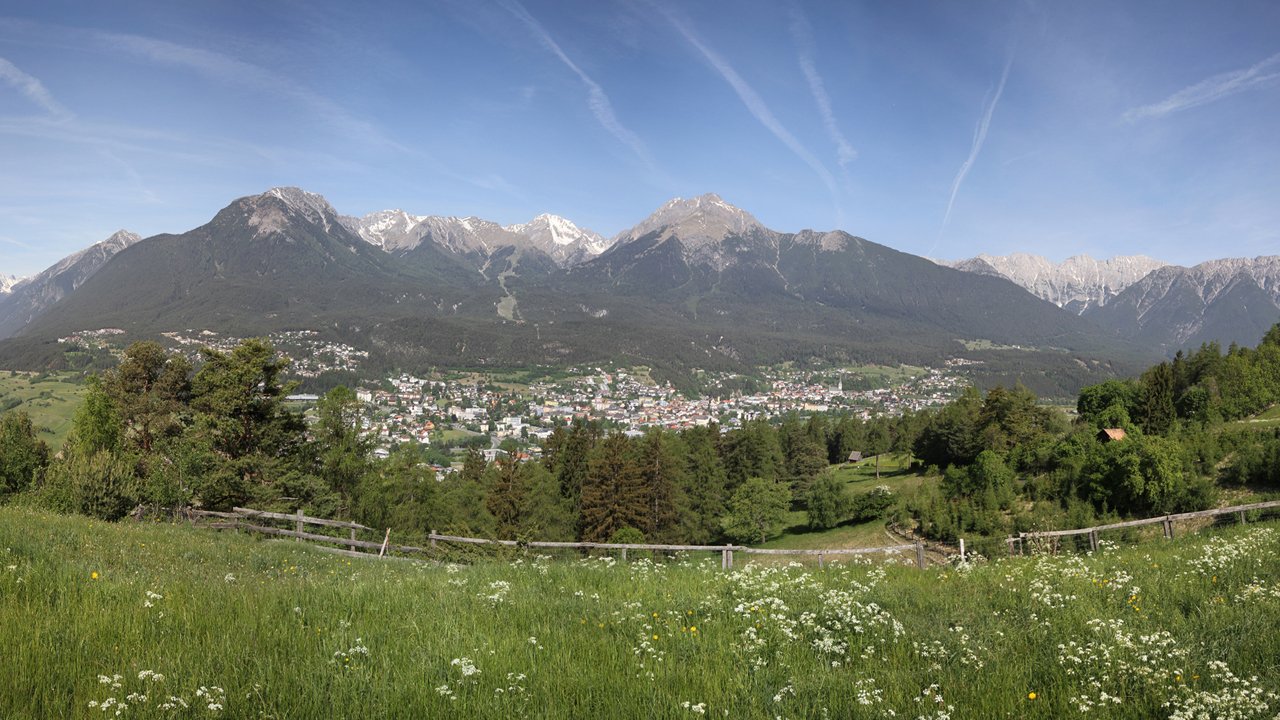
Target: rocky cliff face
x=30 y=297
x=1076 y=284
x=1224 y=301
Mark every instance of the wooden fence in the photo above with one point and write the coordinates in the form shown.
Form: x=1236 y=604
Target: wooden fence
x=250 y=519
x=1016 y=542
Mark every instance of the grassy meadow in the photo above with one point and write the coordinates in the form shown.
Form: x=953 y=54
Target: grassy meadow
x=155 y=620
x=859 y=478
x=51 y=401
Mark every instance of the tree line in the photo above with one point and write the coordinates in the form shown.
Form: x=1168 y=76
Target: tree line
x=1009 y=465
x=157 y=433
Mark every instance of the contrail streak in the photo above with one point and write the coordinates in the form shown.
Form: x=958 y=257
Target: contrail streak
x=979 y=137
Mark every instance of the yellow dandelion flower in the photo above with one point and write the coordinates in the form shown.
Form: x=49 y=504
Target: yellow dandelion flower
x=1031 y=696
x=693 y=629
x=655 y=637
x=93 y=575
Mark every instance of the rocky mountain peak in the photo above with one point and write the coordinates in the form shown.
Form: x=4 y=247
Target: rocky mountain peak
x=390 y=230
x=701 y=220
x=309 y=203
x=28 y=297
x=560 y=238
x=122 y=239
x=270 y=211
x=7 y=282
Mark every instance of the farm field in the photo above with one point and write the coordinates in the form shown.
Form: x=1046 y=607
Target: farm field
x=51 y=401
x=859 y=478
x=1269 y=419
x=158 y=620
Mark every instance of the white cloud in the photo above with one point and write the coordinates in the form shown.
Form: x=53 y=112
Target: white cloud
x=33 y=89
x=1210 y=90
x=979 y=137
x=755 y=104
x=802 y=34
x=597 y=100
x=233 y=71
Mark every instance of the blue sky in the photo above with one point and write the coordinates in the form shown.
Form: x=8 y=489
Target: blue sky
x=938 y=128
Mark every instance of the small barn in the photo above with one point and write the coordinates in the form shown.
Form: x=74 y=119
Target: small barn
x=855 y=456
x=1111 y=435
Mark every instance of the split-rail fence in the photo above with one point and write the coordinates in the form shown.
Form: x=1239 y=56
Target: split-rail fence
x=251 y=520
x=1017 y=542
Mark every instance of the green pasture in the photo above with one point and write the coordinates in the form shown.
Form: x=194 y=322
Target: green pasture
x=50 y=399
x=158 y=621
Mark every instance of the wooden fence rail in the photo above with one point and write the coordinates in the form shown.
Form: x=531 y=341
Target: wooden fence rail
x=243 y=519
x=1016 y=542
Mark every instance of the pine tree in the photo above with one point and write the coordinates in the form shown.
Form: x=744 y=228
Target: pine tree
x=573 y=460
x=613 y=495
x=544 y=514
x=149 y=390
x=704 y=487
x=660 y=470
x=342 y=452
x=754 y=451
x=506 y=498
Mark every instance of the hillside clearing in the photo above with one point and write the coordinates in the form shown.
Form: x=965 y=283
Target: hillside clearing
x=94 y=614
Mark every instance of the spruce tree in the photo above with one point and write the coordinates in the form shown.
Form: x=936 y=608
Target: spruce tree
x=704 y=487
x=660 y=470
x=613 y=495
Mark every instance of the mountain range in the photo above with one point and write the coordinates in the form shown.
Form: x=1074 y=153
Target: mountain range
x=699 y=284
x=28 y=298
x=1078 y=283
x=1168 y=307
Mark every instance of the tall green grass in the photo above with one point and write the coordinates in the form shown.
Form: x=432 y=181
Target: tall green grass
x=278 y=629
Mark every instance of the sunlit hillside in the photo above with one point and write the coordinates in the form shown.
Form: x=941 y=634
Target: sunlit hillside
x=151 y=620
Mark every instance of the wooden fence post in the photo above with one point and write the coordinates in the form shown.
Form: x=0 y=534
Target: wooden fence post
x=1168 y=528
x=1093 y=540
x=920 y=555
x=433 y=539
x=961 y=549
x=624 y=554
x=385 y=540
x=726 y=557
x=1241 y=516
x=297 y=525
x=819 y=561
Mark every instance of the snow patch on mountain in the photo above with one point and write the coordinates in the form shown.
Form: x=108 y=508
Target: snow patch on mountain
x=7 y=282
x=397 y=231
x=560 y=238
x=269 y=212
